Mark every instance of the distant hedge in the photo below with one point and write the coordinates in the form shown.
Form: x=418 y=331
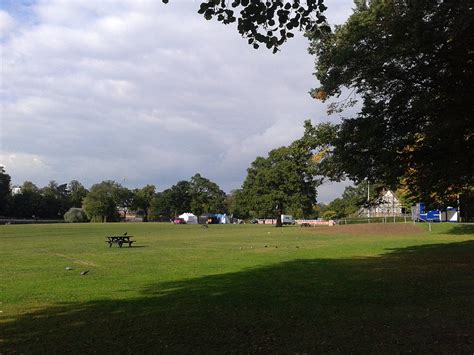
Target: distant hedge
x=75 y=215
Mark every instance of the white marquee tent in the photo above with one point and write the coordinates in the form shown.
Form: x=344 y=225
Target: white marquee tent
x=189 y=218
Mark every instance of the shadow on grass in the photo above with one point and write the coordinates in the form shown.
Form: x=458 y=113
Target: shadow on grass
x=462 y=229
x=416 y=299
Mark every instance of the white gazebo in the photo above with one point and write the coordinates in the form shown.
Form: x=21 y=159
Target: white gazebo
x=189 y=218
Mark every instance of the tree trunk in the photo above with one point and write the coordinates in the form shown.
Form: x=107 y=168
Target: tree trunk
x=278 y=219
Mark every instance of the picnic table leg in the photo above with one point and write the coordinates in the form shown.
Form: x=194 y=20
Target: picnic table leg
x=110 y=244
x=120 y=244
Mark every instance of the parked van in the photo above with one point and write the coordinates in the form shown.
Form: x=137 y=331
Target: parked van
x=287 y=219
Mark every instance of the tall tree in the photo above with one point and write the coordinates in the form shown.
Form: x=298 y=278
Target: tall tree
x=5 y=192
x=55 y=201
x=285 y=181
x=161 y=206
x=27 y=203
x=77 y=193
x=142 y=199
x=235 y=204
x=412 y=65
x=206 y=196
x=173 y=201
x=102 y=201
x=124 y=200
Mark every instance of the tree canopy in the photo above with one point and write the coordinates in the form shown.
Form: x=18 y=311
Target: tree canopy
x=27 y=203
x=285 y=180
x=142 y=199
x=199 y=196
x=206 y=196
x=5 y=190
x=267 y=22
x=77 y=192
x=353 y=199
x=411 y=63
x=170 y=202
x=102 y=201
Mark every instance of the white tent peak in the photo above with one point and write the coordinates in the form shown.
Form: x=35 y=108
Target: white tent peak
x=189 y=218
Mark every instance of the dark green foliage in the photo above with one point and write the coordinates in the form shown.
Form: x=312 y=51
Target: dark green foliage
x=142 y=199
x=267 y=22
x=102 y=201
x=54 y=202
x=5 y=191
x=283 y=182
x=171 y=202
x=49 y=202
x=75 y=215
x=206 y=196
x=27 y=203
x=235 y=202
x=199 y=196
x=352 y=200
x=412 y=65
x=77 y=193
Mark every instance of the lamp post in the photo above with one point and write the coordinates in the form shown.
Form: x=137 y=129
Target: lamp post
x=368 y=198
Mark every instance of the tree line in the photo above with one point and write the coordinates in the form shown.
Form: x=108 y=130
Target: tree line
x=284 y=181
x=109 y=201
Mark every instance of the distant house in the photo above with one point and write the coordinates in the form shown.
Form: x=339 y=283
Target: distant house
x=387 y=204
x=16 y=190
x=129 y=216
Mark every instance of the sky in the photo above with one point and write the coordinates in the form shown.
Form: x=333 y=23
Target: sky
x=145 y=93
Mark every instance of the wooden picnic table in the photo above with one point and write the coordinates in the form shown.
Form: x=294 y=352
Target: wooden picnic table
x=119 y=240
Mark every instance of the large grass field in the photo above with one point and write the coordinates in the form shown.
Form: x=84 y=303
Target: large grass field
x=237 y=289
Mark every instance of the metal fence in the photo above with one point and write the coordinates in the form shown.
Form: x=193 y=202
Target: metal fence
x=29 y=221
x=384 y=219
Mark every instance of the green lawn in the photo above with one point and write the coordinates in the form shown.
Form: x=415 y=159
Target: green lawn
x=235 y=289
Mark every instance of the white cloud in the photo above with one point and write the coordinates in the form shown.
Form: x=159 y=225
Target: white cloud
x=146 y=91
x=24 y=164
x=7 y=23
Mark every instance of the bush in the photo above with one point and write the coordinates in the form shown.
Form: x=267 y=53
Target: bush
x=75 y=215
x=328 y=215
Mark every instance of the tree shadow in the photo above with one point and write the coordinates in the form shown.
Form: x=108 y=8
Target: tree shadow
x=416 y=299
x=462 y=229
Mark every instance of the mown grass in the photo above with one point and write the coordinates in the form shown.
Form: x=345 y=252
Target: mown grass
x=234 y=289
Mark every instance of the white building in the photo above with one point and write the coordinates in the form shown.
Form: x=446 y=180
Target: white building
x=16 y=190
x=387 y=204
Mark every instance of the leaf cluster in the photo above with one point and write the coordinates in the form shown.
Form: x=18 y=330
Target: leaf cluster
x=283 y=181
x=267 y=22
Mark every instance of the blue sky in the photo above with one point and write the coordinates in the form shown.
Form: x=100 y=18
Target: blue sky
x=145 y=93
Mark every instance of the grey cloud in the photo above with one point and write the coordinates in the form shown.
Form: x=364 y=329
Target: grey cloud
x=148 y=92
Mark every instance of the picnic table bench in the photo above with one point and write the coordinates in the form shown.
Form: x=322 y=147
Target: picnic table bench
x=119 y=240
